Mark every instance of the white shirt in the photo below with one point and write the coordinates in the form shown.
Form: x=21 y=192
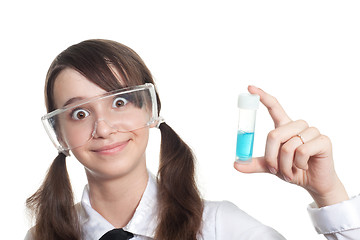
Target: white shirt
x=221 y=220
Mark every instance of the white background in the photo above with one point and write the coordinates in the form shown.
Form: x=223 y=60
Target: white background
x=202 y=55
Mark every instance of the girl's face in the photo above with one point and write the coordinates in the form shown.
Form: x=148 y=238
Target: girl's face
x=109 y=153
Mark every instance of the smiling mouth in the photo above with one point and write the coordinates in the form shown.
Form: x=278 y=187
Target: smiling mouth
x=111 y=149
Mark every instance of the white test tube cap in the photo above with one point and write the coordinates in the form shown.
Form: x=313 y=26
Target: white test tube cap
x=248 y=101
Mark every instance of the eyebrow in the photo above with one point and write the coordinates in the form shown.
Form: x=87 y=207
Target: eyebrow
x=72 y=100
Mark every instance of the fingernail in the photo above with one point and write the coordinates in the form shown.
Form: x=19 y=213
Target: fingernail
x=287 y=179
x=272 y=170
x=256 y=87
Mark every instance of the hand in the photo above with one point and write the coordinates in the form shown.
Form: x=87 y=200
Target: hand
x=305 y=161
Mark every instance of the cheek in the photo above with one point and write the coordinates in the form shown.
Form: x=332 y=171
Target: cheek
x=75 y=135
x=136 y=118
x=141 y=138
x=80 y=155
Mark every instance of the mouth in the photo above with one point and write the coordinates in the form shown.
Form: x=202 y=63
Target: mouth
x=112 y=148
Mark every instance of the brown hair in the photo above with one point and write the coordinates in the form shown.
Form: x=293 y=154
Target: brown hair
x=180 y=204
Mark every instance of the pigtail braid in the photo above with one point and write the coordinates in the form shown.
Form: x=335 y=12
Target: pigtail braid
x=53 y=205
x=180 y=204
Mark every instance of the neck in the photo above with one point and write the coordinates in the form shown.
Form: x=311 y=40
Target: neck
x=117 y=199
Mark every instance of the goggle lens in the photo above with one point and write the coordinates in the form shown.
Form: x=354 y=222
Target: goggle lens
x=120 y=111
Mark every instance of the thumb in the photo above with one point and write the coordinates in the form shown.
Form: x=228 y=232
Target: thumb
x=256 y=165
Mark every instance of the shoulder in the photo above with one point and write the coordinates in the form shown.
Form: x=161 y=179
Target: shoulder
x=225 y=220
x=29 y=235
x=225 y=211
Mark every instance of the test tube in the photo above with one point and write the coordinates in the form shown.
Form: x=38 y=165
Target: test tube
x=247 y=104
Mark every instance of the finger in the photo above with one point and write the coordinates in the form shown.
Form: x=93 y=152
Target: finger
x=287 y=152
x=320 y=146
x=257 y=165
x=276 y=111
x=279 y=136
x=306 y=137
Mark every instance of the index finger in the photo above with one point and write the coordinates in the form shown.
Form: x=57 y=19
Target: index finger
x=276 y=111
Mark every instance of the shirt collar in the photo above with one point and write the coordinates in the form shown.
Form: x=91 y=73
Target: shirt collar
x=142 y=223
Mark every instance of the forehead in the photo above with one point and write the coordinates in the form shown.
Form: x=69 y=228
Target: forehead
x=70 y=84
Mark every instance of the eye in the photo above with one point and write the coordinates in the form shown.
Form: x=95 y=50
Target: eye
x=119 y=102
x=79 y=114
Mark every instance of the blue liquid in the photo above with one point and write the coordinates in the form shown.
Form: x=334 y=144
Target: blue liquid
x=244 y=146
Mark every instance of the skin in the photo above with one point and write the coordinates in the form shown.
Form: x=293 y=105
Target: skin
x=117 y=174
x=309 y=165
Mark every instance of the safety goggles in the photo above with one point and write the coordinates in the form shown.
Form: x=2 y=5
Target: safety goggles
x=122 y=110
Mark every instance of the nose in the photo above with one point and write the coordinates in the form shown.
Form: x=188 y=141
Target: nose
x=102 y=129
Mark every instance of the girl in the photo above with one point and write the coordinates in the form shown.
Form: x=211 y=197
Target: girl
x=101 y=102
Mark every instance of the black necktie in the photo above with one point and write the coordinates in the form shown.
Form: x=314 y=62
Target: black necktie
x=117 y=234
